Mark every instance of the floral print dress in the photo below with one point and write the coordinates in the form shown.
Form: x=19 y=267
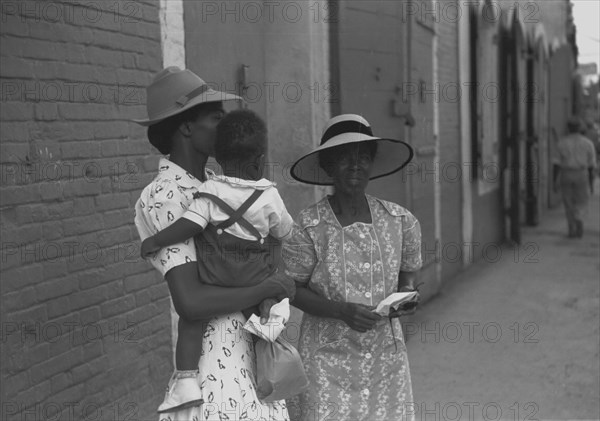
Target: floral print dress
x=353 y=376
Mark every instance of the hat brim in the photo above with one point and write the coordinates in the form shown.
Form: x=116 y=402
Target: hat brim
x=392 y=155
x=209 y=96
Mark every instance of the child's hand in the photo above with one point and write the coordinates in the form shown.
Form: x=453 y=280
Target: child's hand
x=149 y=247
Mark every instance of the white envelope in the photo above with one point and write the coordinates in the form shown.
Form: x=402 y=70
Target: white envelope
x=393 y=301
x=278 y=317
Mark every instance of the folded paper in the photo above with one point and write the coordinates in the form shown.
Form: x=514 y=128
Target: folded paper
x=392 y=302
x=278 y=317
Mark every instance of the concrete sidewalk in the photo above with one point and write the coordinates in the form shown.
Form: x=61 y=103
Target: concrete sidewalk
x=517 y=338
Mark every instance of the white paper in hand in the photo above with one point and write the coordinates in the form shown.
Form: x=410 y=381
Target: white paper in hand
x=278 y=317
x=392 y=302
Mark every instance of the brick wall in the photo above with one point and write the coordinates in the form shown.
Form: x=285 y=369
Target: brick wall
x=85 y=322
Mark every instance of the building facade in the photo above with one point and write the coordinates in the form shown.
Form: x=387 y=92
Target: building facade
x=481 y=91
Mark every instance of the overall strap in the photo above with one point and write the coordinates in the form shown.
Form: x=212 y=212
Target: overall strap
x=235 y=215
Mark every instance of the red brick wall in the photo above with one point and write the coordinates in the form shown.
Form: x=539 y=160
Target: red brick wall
x=85 y=322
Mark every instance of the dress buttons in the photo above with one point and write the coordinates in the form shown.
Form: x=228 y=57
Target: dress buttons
x=262 y=241
x=219 y=231
x=368 y=356
x=367 y=265
x=315 y=221
x=368 y=294
x=366 y=392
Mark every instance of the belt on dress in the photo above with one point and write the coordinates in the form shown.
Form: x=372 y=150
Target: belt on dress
x=393 y=335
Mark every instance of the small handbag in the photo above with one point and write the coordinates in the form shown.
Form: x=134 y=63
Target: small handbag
x=227 y=260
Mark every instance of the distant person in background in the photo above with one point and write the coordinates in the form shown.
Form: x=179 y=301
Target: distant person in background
x=575 y=166
x=592 y=132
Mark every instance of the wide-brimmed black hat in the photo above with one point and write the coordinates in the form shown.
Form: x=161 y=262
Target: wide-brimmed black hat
x=392 y=155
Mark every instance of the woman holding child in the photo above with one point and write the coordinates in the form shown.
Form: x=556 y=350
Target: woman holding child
x=214 y=376
x=348 y=252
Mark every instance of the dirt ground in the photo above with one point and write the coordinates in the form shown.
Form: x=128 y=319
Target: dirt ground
x=517 y=338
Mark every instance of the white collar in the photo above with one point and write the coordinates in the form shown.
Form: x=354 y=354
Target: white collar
x=261 y=184
x=169 y=169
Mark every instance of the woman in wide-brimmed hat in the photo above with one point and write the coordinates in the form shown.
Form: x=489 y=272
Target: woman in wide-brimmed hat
x=348 y=252
x=183 y=112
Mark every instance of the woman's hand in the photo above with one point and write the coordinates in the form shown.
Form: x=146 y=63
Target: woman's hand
x=407 y=308
x=264 y=309
x=358 y=316
x=149 y=247
x=279 y=286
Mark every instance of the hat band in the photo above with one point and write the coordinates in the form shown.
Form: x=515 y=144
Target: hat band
x=345 y=127
x=184 y=99
x=181 y=102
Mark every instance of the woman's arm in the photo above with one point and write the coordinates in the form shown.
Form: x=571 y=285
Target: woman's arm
x=358 y=317
x=194 y=300
x=312 y=303
x=411 y=263
x=179 y=231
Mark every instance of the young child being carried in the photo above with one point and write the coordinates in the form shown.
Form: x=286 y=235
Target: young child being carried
x=238 y=220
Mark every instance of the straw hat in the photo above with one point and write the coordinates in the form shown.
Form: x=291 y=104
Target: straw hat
x=392 y=155
x=173 y=91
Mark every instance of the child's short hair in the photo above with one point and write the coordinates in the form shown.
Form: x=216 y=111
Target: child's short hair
x=241 y=136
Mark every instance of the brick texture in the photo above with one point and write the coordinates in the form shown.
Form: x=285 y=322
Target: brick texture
x=85 y=322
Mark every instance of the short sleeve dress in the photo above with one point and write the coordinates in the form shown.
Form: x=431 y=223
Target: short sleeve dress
x=227 y=365
x=353 y=375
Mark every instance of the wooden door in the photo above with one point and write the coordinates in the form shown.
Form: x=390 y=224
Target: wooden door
x=224 y=46
x=385 y=62
x=422 y=137
x=509 y=118
x=541 y=101
x=519 y=130
x=531 y=140
x=369 y=57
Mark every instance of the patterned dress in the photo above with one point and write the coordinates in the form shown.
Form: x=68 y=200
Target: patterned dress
x=353 y=376
x=227 y=378
x=227 y=364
